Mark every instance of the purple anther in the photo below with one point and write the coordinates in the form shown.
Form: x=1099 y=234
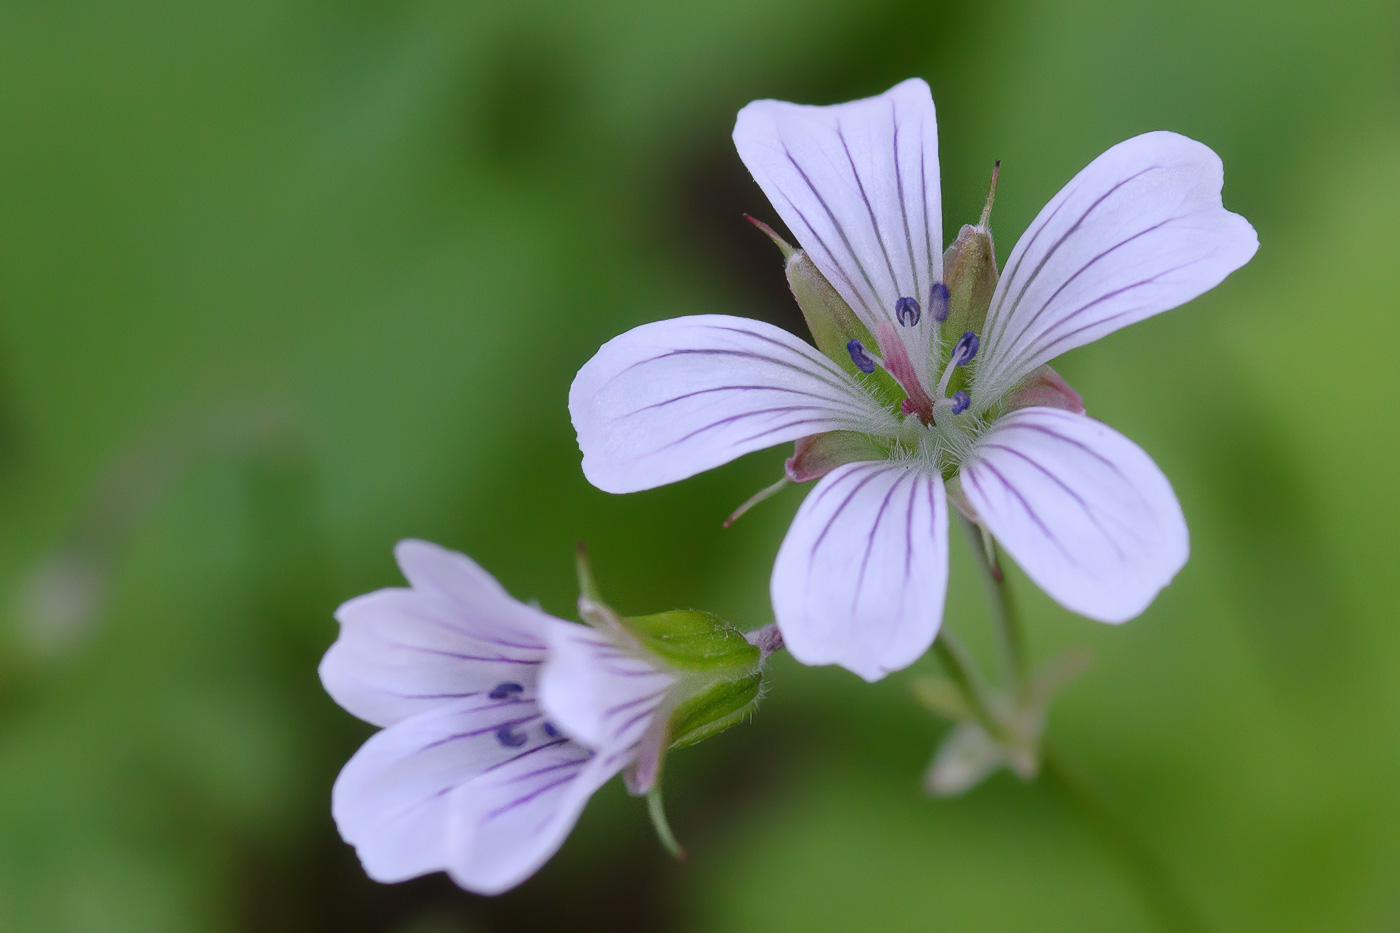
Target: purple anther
x=506 y=690
x=938 y=302
x=906 y=312
x=960 y=402
x=551 y=731
x=509 y=738
x=858 y=356
x=965 y=349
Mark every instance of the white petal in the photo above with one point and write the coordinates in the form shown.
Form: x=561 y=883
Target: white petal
x=861 y=576
x=670 y=399
x=857 y=184
x=598 y=693
x=391 y=800
x=504 y=826
x=1083 y=510
x=456 y=634
x=1139 y=231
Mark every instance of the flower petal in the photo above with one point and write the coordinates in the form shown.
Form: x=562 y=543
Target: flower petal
x=598 y=693
x=1084 y=511
x=861 y=576
x=1139 y=231
x=456 y=634
x=857 y=183
x=670 y=399
x=504 y=826
x=391 y=800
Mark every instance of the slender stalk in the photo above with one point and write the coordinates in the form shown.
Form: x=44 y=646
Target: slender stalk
x=1005 y=619
x=1154 y=881
x=957 y=661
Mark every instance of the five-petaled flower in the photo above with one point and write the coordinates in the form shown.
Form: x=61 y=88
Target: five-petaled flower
x=897 y=411
x=499 y=722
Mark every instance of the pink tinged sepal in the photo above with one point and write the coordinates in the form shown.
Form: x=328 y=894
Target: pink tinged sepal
x=1045 y=388
x=1083 y=510
x=819 y=454
x=1141 y=230
x=861 y=576
x=670 y=399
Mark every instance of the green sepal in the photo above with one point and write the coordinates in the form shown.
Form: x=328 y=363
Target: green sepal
x=714 y=709
x=833 y=324
x=970 y=272
x=691 y=640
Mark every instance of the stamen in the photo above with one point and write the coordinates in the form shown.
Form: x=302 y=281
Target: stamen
x=858 y=356
x=906 y=311
x=938 y=301
x=550 y=730
x=509 y=738
x=963 y=352
x=506 y=690
x=966 y=349
x=960 y=402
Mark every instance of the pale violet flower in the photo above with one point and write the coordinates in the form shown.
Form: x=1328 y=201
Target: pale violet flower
x=498 y=723
x=934 y=377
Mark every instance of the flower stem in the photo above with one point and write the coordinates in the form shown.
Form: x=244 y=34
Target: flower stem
x=957 y=661
x=1004 y=616
x=1155 y=882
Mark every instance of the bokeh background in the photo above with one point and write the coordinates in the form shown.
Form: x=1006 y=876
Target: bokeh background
x=282 y=281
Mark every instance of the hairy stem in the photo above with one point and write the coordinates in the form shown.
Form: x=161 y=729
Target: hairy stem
x=957 y=661
x=1005 y=619
x=1156 y=884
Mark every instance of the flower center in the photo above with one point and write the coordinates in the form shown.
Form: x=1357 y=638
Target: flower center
x=894 y=359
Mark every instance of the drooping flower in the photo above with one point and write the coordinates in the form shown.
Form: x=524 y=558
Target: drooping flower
x=932 y=382
x=499 y=721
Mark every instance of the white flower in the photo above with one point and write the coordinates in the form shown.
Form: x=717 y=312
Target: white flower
x=861 y=576
x=499 y=722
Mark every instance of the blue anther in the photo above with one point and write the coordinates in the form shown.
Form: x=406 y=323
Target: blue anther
x=906 y=311
x=506 y=690
x=508 y=737
x=550 y=730
x=960 y=402
x=965 y=349
x=858 y=356
x=938 y=302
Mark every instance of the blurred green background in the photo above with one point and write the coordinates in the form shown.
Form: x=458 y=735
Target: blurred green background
x=282 y=281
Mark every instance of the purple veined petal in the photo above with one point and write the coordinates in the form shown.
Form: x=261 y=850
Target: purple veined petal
x=596 y=693
x=1139 y=231
x=502 y=827
x=857 y=183
x=455 y=634
x=670 y=399
x=1083 y=510
x=391 y=800
x=861 y=576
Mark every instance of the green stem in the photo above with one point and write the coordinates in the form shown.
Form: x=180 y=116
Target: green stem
x=1155 y=882
x=957 y=661
x=1005 y=619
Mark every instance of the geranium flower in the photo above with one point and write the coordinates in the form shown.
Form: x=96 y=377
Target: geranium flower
x=934 y=384
x=499 y=722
